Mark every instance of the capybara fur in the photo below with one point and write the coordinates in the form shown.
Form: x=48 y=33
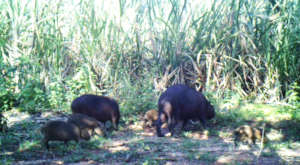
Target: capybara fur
x=180 y=103
x=85 y=122
x=62 y=131
x=248 y=134
x=99 y=107
x=150 y=118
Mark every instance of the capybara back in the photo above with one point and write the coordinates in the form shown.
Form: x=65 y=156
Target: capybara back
x=60 y=131
x=99 y=107
x=87 y=122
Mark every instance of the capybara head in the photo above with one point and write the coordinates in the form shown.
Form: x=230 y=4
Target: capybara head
x=86 y=133
x=88 y=123
x=101 y=130
x=60 y=131
x=210 y=113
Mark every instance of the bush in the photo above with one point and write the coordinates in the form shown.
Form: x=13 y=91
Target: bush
x=32 y=97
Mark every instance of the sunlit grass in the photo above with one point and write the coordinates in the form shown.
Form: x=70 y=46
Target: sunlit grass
x=241 y=52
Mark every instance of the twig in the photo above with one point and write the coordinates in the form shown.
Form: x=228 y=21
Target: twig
x=261 y=142
x=168 y=158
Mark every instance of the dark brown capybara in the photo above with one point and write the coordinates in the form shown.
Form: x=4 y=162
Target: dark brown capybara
x=180 y=103
x=248 y=134
x=99 y=107
x=58 y=130
x=85 y=122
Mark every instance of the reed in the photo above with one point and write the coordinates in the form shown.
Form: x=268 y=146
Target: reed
x=66 y=48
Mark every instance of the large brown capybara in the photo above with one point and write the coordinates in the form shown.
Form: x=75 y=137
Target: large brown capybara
x=85 y=122
x=248 y=134
x=99 y=107
x=180 y=103
x=58 y=130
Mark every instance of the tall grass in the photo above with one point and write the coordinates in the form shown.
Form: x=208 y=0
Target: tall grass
x=132 y=50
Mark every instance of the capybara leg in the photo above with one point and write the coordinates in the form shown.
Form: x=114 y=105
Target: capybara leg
x=46 y=143
x=66 y=143
x=115 y=123
x=236 y=139
x=253 y=140
x=203 y=123
x=184 y=124
x=158 y=128
x=172 y=126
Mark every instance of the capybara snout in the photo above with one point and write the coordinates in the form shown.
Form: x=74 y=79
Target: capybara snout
x=99 y=107
x=210 y=112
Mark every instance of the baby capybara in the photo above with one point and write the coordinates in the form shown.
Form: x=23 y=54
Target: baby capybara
x=180 y=103
x=85 y=122
x=99 y=107
x=62 y=131
x=150 y=118
x=247 y=134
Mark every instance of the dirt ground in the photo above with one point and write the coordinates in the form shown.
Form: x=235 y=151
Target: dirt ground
x=135 y=145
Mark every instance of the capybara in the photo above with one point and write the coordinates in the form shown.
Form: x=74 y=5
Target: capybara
x=180 y=103
x=150 y=118
x=62 y=131
x=85 y=122
x=248 y=134
x=99 y=107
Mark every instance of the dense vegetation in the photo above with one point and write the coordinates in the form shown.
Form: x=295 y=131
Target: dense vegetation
x=244 y=55
x=53 y=52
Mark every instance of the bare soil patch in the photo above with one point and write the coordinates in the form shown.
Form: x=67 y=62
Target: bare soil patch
x=134 y=145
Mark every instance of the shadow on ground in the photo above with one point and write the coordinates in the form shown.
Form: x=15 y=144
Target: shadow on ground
x=130 y=145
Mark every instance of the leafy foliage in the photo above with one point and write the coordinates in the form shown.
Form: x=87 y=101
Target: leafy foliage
x=52 y=52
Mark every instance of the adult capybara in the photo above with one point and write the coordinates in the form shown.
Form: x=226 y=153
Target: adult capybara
x=62 y=131
x=248 y=134
x=85 y=122
x=180 y=103
x=99 y=107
